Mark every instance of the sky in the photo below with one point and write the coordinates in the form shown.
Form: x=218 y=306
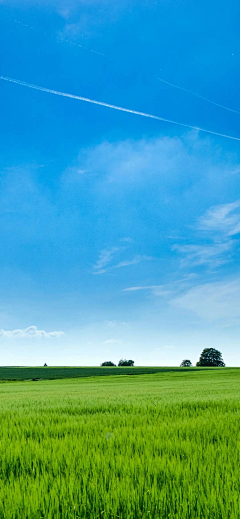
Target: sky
x=119 y=232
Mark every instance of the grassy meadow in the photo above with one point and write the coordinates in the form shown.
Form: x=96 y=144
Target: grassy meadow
x=162 y=445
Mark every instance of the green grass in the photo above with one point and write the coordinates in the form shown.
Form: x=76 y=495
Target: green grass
x=157 y=446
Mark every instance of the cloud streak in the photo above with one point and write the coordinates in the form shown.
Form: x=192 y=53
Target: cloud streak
x=224 y=218
x=60 y=39
x=134 y=261
x=200 y=97
x=31 y=332
x=159 y=290
x=212 y=255
x=105 y=258
x=114 y=107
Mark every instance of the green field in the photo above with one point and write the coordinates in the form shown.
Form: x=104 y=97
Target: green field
x=163 y=445
x=51 y=373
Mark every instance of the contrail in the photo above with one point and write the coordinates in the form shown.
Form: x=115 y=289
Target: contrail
x=63 y=40
x=78 y=45
x=114 y=107
x=197 y=95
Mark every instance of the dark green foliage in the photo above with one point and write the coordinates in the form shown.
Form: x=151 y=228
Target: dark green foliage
x=45 y=365
x=47 y=373
x=211 y=357
x=124 y=362
x=108 y=363
x=186 y=363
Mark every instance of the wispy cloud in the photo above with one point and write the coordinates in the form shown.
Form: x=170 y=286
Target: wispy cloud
x=134 y=261
x=219 y=301
x=224 y=219
x=159 y=290
x=32 y=332
x=218 y=225
x=212 y=255
x=175 y=165
x=105 y=258
x=210 y=301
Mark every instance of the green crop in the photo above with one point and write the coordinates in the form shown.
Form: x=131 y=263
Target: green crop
x=51 y=373
x=157 y=446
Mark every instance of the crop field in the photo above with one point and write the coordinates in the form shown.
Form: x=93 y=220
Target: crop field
x=163 y=445
x=51 y=373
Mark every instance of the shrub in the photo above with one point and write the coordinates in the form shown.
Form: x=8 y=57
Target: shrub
x=124 y=362
x=185 y=363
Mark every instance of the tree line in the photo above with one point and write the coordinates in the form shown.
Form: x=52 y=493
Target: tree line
x=209 y=357
x=122 y=362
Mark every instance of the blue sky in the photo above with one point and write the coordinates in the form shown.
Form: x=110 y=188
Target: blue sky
x=119 y=233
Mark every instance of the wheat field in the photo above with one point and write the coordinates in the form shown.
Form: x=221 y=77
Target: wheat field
x=164 y=445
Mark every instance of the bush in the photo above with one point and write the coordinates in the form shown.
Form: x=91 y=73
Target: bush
x=108 y=363
x=124 y=362
x=185 y=363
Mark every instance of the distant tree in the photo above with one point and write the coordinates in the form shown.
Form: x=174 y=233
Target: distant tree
x=124 y=362
x=210 y=357
x=45 y=365
x=108 y=363
x=185 y=363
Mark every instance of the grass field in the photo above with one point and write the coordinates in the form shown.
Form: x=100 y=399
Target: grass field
x=163 y=445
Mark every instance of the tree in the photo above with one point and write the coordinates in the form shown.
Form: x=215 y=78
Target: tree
x=108 y=363
x=45 y=365
x=211 y=357
x=124 y=362
x=185 y=363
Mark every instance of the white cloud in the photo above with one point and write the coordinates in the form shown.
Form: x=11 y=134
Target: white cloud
x=158 y=290
x=219 y=301
x=105 y=258
x=212 y=255
x=211 y=301
x=219 y=224
x=31 y=332
x=172 y=160
x=130 y=160
x=224 y=218
x=134 y=261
